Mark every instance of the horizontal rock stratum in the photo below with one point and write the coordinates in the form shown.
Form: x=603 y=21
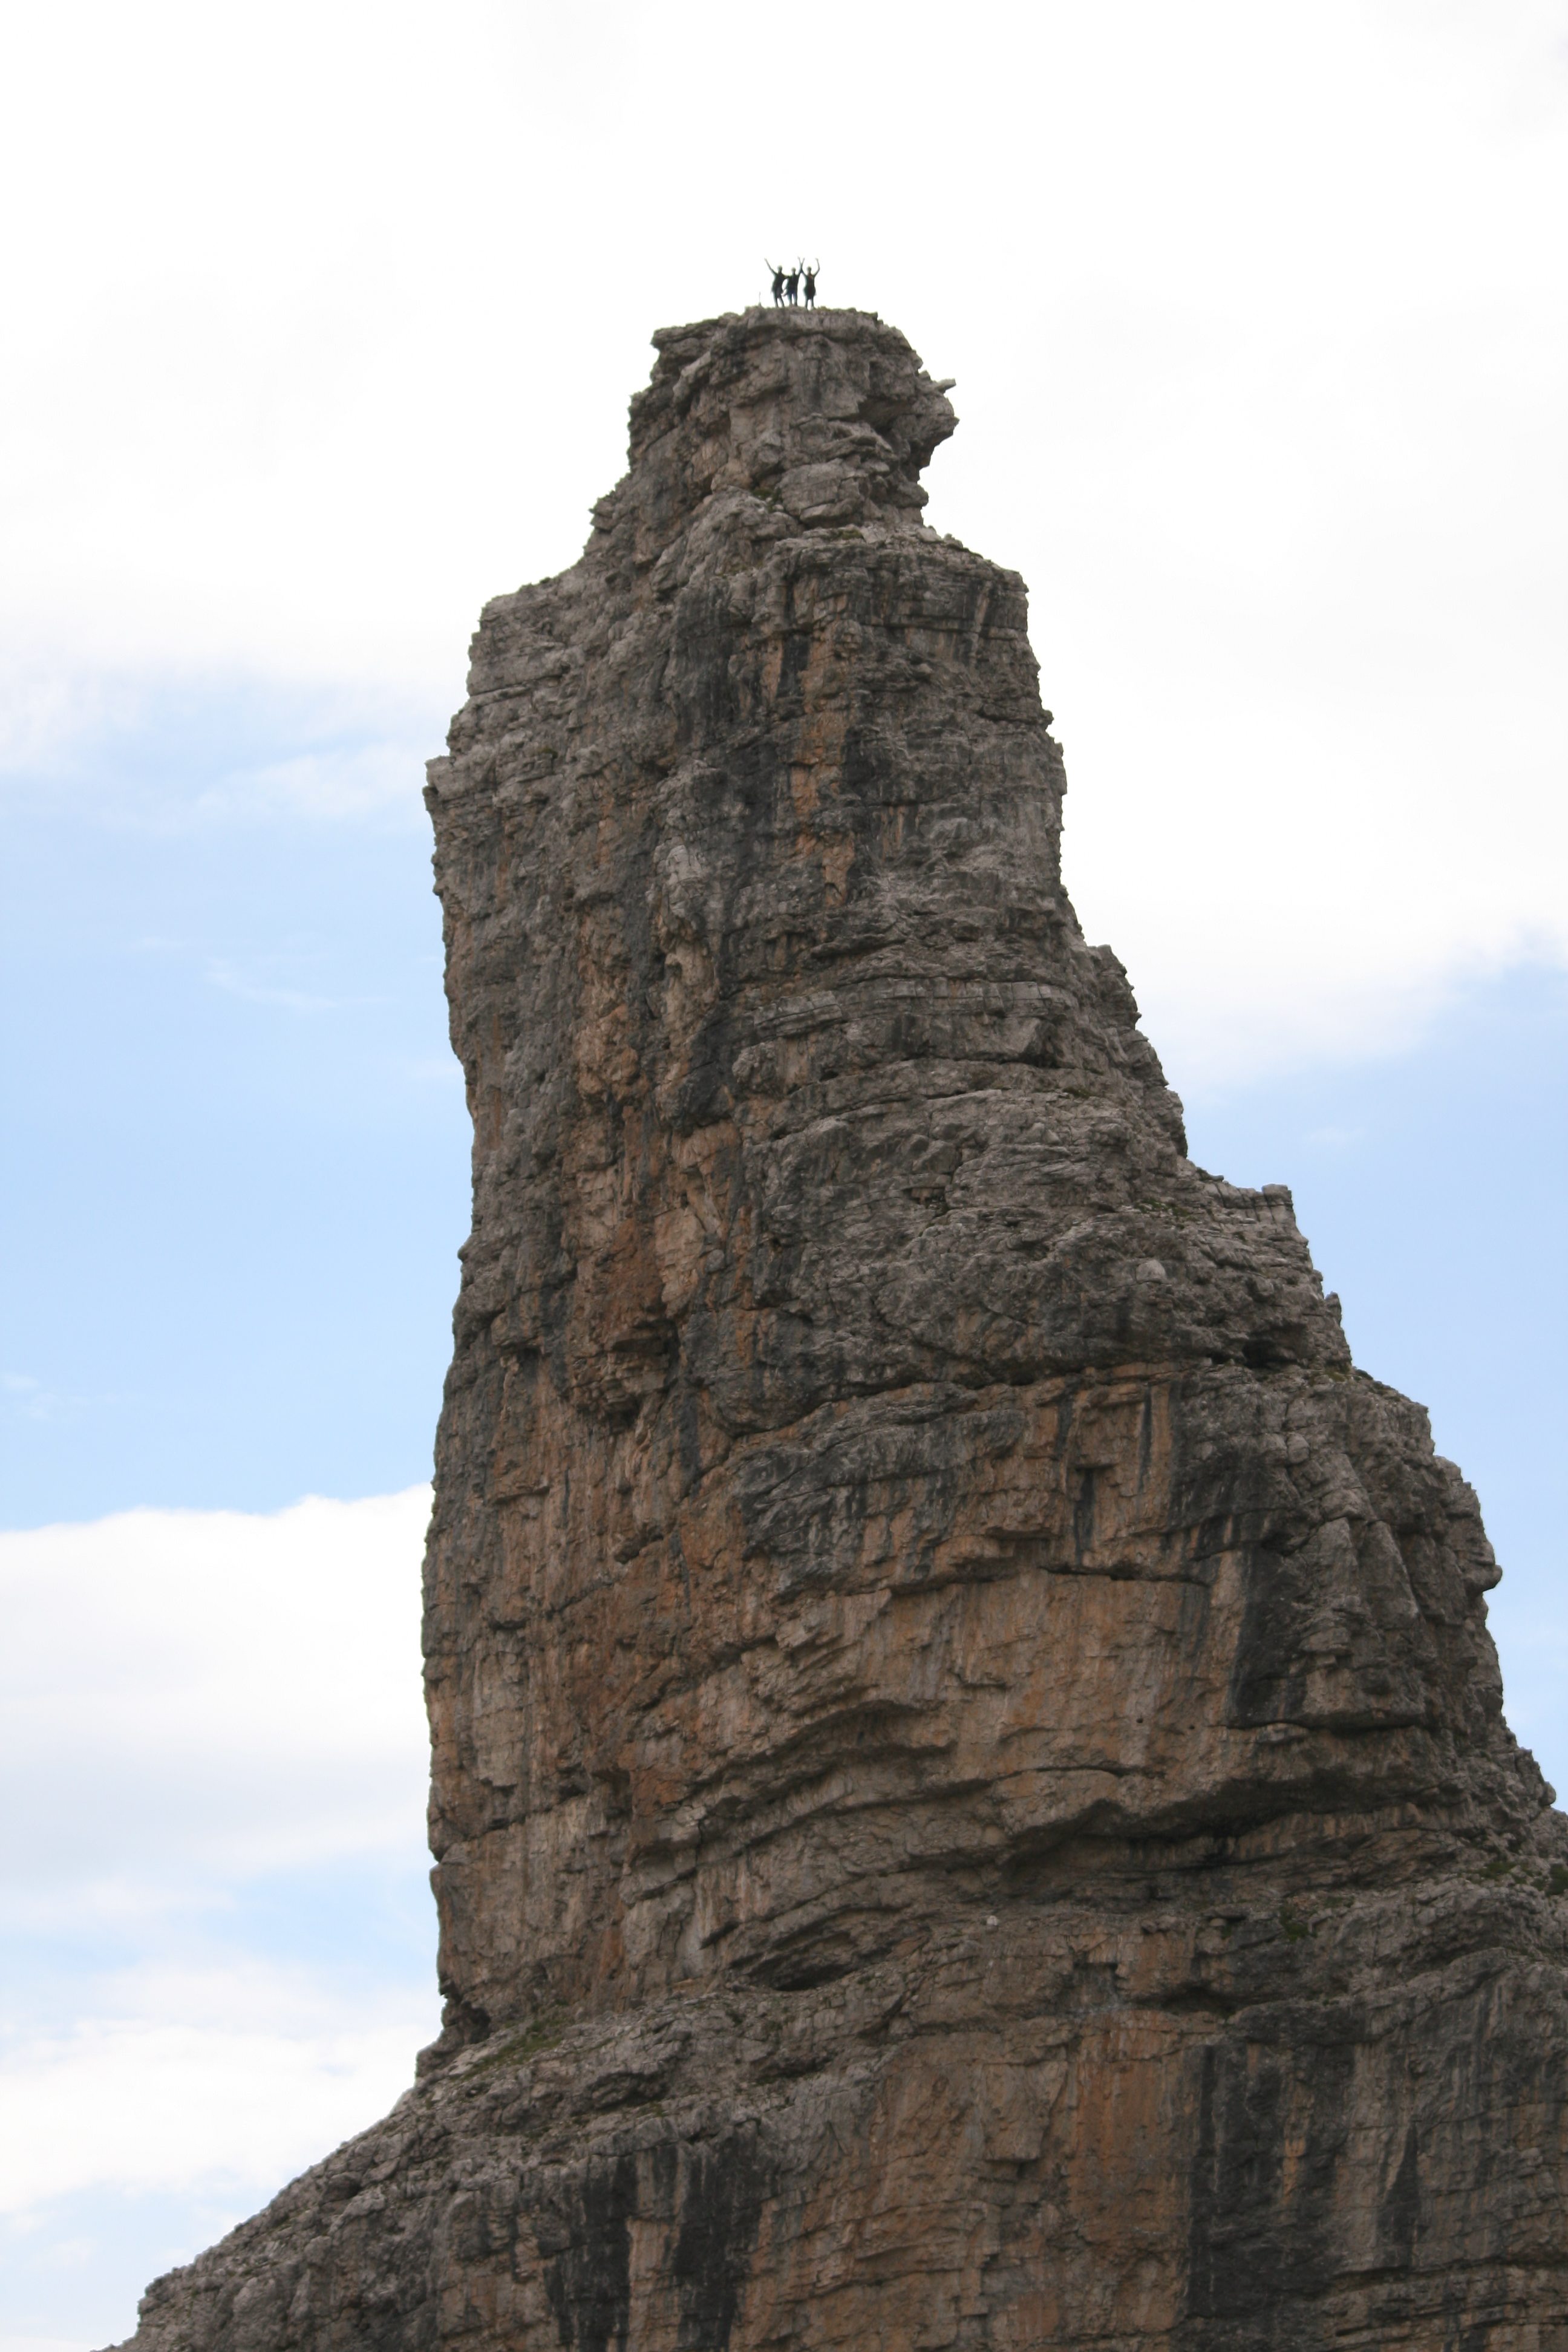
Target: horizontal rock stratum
x=970 y=1800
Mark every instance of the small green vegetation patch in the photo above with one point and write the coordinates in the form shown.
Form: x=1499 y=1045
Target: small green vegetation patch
x=515 y=2049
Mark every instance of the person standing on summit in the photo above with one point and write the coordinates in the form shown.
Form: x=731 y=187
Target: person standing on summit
x=778 y=284
x=811 y=285
x=792 y=286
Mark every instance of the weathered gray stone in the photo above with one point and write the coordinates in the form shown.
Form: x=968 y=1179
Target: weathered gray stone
x=970 y=1793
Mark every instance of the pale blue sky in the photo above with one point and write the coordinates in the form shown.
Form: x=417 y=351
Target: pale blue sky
x=230 y=1238
x=320 y=329
x=238 y=1174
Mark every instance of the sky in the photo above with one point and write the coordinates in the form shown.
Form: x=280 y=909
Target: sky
x=320 y=326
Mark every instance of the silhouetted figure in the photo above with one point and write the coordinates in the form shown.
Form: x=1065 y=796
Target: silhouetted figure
x=792 y=286
x=810 y=287
x=778 y=284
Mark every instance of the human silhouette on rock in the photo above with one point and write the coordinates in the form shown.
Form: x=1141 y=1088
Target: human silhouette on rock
x=786 y=284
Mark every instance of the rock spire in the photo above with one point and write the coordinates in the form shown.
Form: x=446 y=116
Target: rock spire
x=969 y=1795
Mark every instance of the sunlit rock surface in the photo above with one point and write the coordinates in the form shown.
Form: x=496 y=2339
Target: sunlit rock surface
x=969 y=1795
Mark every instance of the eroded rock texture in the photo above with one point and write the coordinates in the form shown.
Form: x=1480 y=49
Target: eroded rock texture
x=970 y=1797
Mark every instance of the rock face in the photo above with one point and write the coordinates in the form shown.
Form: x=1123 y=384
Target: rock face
x=970 y=1800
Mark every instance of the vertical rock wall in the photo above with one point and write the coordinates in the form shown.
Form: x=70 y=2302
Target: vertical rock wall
x=970 y=1794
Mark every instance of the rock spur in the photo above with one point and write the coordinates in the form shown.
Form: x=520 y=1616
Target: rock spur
x=971 y=1801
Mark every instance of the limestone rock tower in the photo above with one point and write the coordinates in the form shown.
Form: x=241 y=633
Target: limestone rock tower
x=971 y=1802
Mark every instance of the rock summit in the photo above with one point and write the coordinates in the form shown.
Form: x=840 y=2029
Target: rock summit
x=970 y=1800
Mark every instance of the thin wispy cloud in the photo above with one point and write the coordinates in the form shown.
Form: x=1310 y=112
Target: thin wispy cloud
x=234 y=983
x=368 y=780
x=218 y=2082
x=155 y=753
x=24 y=1398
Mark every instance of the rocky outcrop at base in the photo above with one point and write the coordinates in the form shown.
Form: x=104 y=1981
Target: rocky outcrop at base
x=970 y=1797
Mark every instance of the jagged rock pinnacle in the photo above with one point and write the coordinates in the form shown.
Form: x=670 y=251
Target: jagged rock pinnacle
x=827 y=414
x=970 y=1794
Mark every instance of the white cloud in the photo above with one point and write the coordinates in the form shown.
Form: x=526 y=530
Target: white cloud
x=224 y=975
x=360 y=781
x=1258 y=324
x=211 y=1732
x=208 y=1693
x=222 y=2082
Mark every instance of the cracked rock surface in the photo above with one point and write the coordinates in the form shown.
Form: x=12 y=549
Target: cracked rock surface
x=970 y=1800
